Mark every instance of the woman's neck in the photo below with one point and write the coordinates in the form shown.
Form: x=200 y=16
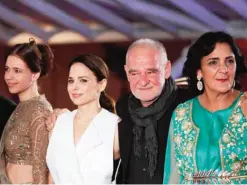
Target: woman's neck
x=29 y=93
x=218 y=101
x=87 y=112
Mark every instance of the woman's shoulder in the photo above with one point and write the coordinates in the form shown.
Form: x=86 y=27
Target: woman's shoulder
x=67 y=115
x=109 y=115
x=182 y=109
x=39 y=104
x=36 y=107
x=185 y=104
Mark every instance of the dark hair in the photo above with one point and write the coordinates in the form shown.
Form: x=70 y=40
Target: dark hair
x=38 y=57
x=101 y=71
x=203 y=46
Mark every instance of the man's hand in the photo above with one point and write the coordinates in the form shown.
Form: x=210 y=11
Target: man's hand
x=244 y=104
x=51 y=120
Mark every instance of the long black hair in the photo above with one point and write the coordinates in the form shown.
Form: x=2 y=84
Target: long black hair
x=202 y=47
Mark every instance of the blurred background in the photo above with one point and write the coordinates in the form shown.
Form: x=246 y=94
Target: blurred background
x=107 y=27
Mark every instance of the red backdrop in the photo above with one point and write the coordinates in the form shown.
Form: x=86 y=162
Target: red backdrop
x=54 y=86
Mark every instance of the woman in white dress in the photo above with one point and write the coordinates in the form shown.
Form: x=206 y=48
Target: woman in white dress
x=84 y=142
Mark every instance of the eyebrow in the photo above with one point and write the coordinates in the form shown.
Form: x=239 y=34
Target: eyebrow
x=18 y=68
x=80 y=77
x=217 y=58
x=149 y=69
x=153 y=69
x=213 y=58
x=14 y=68
x=230 y=57
x=132 y=71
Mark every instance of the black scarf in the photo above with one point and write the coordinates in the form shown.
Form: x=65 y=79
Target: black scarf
x=145 y=121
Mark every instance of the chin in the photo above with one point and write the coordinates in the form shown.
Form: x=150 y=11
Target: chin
x=145 y=98
x=76 y=102
x=13 y=91
x=80 y=102
x=223 y=90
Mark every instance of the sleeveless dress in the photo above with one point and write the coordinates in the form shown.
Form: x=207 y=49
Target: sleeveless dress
x=90 y=160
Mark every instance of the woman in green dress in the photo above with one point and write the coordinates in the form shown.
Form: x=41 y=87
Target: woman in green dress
x=207 y=140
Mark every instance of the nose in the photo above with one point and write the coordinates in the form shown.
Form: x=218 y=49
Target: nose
x=75 y=87
x=223 y=68
x=8 y=75
x=144 y=80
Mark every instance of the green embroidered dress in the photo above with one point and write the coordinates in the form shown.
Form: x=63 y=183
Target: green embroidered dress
x=203 y=140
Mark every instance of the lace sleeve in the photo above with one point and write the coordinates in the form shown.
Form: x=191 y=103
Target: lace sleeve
x=39 y=138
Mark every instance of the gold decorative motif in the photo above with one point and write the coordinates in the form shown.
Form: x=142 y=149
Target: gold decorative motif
x=244 y=125
x=186 y=126
x=240 y=130
x=233 y=156
x=181 y=113
x=189 y=147
x=236 y=166
x=179 y=163
x=226 y=138
x=177 y=139
x=237 y=117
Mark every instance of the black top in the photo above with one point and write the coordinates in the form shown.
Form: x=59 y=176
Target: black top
x=134 y=171
x=6 y=109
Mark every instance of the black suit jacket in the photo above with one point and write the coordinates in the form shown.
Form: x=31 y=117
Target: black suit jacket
x=6 y=109
x=125 y=128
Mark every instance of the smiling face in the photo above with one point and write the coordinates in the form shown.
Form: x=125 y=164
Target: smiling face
x=146 y=73
x=218 y=69
x=83 y=86
x=18 y=76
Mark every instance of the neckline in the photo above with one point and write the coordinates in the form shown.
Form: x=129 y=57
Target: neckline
x=221 y=110
x=32 y=99
x=93 y=122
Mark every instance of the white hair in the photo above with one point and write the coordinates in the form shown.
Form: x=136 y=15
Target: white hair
x=150 y=43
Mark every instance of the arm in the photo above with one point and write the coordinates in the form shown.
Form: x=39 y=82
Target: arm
x=39 y=138
x=116 y=150
x=244 y=104
x=50 y=180
x=171 y=175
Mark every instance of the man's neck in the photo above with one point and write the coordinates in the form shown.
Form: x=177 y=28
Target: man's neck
x=147 y=103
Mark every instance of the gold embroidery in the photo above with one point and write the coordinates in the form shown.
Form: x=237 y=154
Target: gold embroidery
x=180 y=114
x=236 y=166
x=233 y=156
x=226 y=138
x=186 y=126
x=177 y=139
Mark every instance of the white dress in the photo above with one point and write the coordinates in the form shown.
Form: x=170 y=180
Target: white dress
x=90 y=161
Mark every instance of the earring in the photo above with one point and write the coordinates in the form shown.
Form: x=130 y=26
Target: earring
x=199 y=83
